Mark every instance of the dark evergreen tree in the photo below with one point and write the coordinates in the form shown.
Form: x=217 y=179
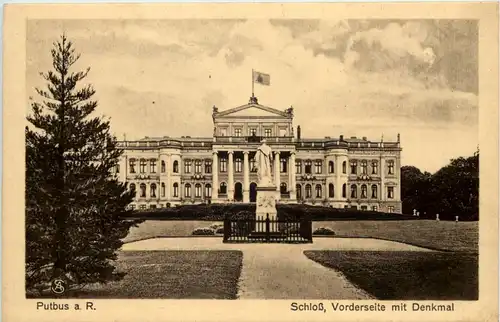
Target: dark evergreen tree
x=74 y=202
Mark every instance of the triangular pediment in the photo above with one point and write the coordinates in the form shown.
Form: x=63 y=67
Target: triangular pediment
x=253 y=110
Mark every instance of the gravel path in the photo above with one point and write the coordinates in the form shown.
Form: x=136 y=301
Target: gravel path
x=282 y=271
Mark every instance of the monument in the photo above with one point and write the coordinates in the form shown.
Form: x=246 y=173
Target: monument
x=266 y=189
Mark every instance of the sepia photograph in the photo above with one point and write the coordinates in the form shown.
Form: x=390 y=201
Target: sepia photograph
x=195 y=154
x=253 y=158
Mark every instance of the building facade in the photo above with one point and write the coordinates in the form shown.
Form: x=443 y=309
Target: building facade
x=335 y=172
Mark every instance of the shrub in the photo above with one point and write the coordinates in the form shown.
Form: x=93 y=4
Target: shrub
x=323 y=231
x=205 y=231
x=216 y=225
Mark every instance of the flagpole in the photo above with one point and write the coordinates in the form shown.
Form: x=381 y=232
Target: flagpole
x=252 y=84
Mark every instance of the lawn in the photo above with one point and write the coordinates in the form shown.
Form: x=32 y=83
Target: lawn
x=407 y=275
x=441 y=235
x=162 y=228
x=173 y=275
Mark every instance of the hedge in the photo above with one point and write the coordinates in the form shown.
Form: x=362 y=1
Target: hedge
x=218 y=212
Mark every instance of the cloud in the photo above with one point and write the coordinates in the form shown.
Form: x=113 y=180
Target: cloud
x=339 y=76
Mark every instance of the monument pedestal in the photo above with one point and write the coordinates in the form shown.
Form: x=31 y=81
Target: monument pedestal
x=266 y=205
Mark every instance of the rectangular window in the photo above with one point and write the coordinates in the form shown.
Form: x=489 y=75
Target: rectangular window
x=308 y=167
x=197 y=166
x=354 y=168
x=364 y=208
x=197 y=191
x=282 y=132
x=253 y=165
x=143 y=166
x=142 y=207
x=268 y=132
x=131 y=165
x=390 y=209
x=208 y=166
x=132 y=207
x=223 y=131
x=283 y=165
x=187 y=166
x=252 y=132
x=223 y=165
x=237 y=132
x=374 y=168
x=298 y=167
x=153 y=166
x=390 y=165
x=318 y=167
x=152 y=207
x=374 y=208
x=390 y=192
x=238 y=165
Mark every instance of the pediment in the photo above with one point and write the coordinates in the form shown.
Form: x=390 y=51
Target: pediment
x=253 y=110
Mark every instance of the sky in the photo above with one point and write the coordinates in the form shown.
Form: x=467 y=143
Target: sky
x=359 y=78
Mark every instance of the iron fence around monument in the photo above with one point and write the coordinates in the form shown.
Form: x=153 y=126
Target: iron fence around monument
x=267 y=230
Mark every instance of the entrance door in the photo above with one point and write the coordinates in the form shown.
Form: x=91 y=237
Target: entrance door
x=253 y=192
x=238 y=191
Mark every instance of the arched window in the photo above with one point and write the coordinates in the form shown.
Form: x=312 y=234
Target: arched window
x=197 y=166
x=176 y=189
x=143 y=190
x=318 y=191
x=374 y=167
x=354 y=191
x=208 y=190
x=364 y=167
x=331 y=190
x=363 y=191
x=131 y=165
x=344 y=167
x=223 y=188
x=238 y=165
x=298 y=188
x=176 y=167
x=187 y=190
x=163 y=166
x=308 y=191
x=163 y=189
x=283 y=187
x=153 y=190
x=374 y=191
x=331 y=167
x=197 y=190
x=142 y=166
x=308 y=167
x=344 y=190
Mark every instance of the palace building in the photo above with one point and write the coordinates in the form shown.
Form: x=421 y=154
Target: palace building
x=335 y=172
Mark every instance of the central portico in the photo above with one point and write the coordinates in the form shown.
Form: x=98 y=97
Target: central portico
x=238 y=133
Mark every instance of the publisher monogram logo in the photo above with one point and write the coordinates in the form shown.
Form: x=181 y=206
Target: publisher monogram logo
x=58 y=286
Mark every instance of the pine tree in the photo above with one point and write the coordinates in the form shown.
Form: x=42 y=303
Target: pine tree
x=73 y=200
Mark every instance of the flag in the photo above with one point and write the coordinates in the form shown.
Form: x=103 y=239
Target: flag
x=261 y=78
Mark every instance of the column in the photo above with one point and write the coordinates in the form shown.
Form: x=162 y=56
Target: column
x=382 y=179
x=293 y=193
x=337 y=185
x=230 y=176
x=277 y=172
x=246 y=178
x=215 y=176
x=397 y=168
x=168 y=170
